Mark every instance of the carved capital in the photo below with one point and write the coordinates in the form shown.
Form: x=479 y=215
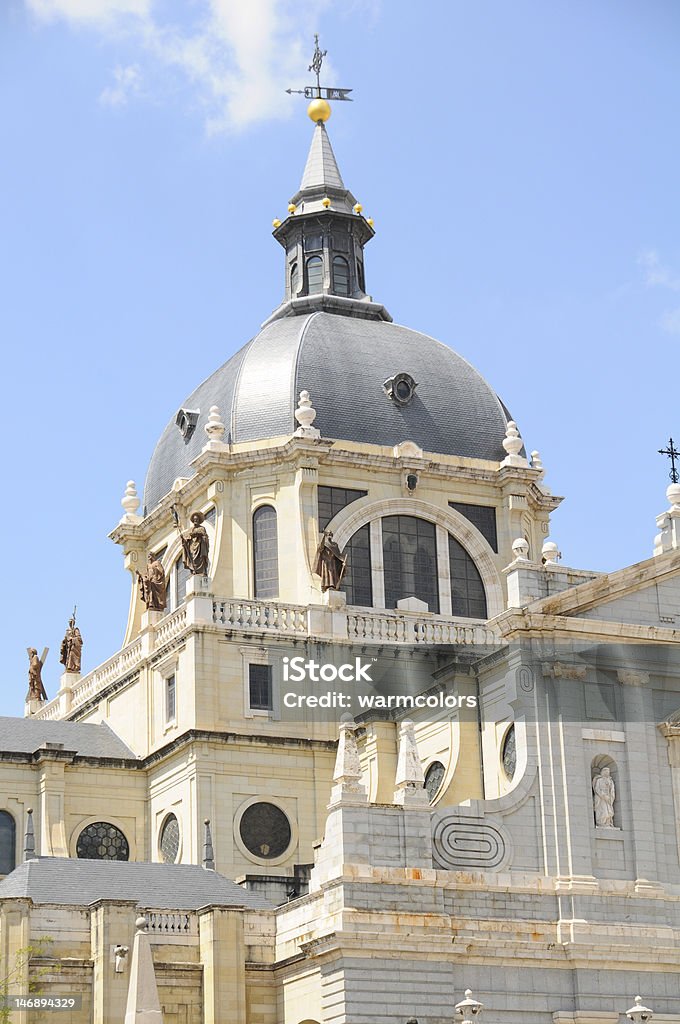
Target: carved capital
x=629 y=678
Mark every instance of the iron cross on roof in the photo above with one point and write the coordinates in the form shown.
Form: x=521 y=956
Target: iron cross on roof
x=319 y=91
x=673 y=454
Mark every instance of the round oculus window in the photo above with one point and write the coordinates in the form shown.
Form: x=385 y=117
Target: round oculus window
x=169 y=839
x=509 y=753
x=265 y=830
x=434 y=776
x=403 y=388
x=102 y=841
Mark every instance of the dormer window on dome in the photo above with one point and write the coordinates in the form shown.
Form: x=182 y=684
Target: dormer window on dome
x=401 y=388
x=186 y=420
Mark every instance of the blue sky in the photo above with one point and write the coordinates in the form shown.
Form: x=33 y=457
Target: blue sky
x=521 y=164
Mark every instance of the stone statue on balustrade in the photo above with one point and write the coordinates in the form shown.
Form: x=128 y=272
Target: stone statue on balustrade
x=330 y=564
x=71 y=651
x=36 y=690
x=195 y=543
x=604 y=795
x=153 y=585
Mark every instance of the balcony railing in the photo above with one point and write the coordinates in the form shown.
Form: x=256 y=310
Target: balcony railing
x=272 y=618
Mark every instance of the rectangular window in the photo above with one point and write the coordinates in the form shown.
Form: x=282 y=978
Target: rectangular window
x=481 y=516
x=410 y=559
x=357 y=582
x=182 y=576
x=170 y=699
x=260 y=687
x=332 y=500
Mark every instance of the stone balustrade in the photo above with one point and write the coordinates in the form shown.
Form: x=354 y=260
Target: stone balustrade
x=273 y=618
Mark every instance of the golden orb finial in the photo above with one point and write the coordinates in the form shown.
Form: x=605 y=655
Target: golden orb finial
x=292 y=207
x=370 y=222
x=319 y=110
x=276 y=223
x=358 y=207
x=325 y=202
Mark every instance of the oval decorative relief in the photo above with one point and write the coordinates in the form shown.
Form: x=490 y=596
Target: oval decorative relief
x=459 y=844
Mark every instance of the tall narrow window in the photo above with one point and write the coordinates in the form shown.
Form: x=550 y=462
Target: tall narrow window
x=360 y=275
x=357 y=582
x=260 y=687
x=468 y=597
x=410 y=558
x=182 y=575
x=170 y=698
x=340 y=276
x=7 y=843
x=314 y=275
x=294 y=280
x=266 y=552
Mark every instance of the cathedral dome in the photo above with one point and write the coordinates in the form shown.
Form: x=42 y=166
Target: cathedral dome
x=351 y=367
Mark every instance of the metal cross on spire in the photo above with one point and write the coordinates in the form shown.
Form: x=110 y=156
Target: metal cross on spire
x=318 y=91
x=673 y=454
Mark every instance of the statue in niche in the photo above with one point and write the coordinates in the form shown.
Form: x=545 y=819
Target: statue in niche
x=153 y=586
x=36 y=690
x=71 y=651
x=330 y=564
x=120 y=953
x=604 y=795
x=195 y=543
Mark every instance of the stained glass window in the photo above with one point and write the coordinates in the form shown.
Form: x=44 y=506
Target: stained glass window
x=468 y=597
x=509 y=753
x=169 y=840
x=265 y=830
x=102 y=841
x=410 y=559
x=434 y=777
x=266 y=552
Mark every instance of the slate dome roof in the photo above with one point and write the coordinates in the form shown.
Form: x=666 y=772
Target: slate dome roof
x=343 y=362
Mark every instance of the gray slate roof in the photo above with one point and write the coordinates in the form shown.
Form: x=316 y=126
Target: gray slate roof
x=342 y=362
x=321 y=169
x=72 y=882
x=26 y=735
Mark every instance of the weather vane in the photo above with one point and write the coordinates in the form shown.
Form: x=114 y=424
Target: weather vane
x=319 y=91
x=673 y=454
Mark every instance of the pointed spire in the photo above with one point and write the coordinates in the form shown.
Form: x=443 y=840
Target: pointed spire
x=208 y=852
x=143 y=1003
x=29 y=837
x=409 y=783
x=321 y=169
x=347 y=775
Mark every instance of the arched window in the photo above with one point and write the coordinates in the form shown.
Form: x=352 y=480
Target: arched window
x=314 y=275
x=102 y=841
x=410 y=559
x=265 y=552
x=8 y=836
x=509 y=753
x=294 y=280
x=340 y=276
x=468 y=597
x=168 y=842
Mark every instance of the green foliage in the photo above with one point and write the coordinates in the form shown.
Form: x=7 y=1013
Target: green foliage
x=12 y=982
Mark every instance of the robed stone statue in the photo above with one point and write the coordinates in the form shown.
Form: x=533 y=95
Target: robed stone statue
x=195 y=543
x=153 y=585
x=604 y=795
x=330 y=564
x=71 y=647
x=36 y=690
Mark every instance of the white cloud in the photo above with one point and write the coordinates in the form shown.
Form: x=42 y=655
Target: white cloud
x=238 y=57
x=670 y=321
x=656 y=274
x=126 y=83
x=89 y=12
